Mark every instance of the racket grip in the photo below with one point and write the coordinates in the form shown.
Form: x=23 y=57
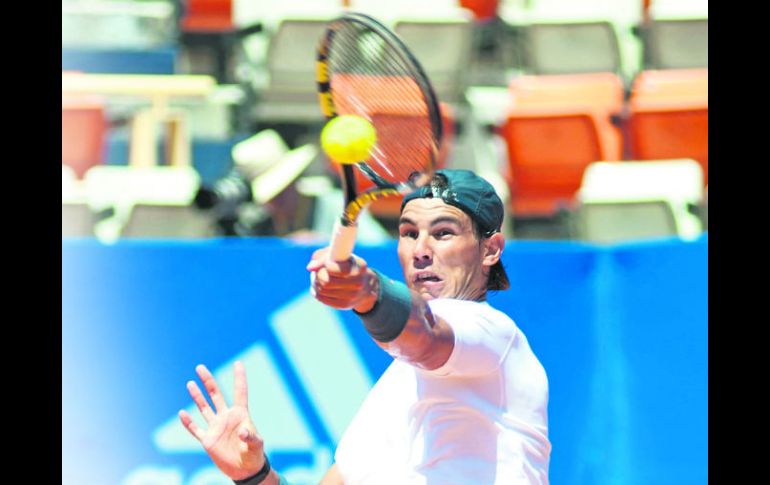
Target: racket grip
x=342 y=242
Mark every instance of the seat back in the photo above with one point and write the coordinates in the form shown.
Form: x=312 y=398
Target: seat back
x=677 y=43
x=443 y=48
x=207 y=15
x=572 y=47
x=640 y=199
x=556 y=125
x=83 y=132
x=609 y=222
x=122 y=188
x=548 y=150
x=291 y=55
x=668 y=116
x=168 y=221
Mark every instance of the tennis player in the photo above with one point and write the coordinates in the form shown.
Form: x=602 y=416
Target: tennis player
x=464 y=401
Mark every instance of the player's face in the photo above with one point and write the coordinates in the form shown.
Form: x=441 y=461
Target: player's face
x=439 y=253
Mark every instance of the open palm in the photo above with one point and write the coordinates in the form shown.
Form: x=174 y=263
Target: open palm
x=231 y=439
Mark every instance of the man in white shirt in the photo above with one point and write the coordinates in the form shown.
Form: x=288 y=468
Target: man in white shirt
x=465 y=399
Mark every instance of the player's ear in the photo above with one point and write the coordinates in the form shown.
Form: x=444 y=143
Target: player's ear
x=493 y=249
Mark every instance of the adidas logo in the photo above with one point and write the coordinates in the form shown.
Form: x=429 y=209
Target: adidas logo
x=300 y=408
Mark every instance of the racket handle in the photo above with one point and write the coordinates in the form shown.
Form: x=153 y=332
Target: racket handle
x=343 y=240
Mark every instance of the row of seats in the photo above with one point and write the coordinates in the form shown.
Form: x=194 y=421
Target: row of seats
x=616 y=201
x=555 y=126
x=446 y=43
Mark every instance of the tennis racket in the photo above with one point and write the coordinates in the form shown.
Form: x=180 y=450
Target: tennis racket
x=364 y=69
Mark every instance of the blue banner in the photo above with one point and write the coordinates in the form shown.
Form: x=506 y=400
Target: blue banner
x=621 y=330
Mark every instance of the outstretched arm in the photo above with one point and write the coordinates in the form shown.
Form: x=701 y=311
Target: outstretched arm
x=398 y=319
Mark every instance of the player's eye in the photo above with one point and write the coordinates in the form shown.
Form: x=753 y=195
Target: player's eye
x=442 y=233
x=409 y=233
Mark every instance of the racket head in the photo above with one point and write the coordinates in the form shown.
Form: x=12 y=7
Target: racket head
x=364 y=69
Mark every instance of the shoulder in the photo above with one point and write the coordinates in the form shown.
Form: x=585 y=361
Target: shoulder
x=483 y=336
x=474 y=313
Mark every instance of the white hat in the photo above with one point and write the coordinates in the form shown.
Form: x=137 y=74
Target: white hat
x=270 y=164
x=273 y=181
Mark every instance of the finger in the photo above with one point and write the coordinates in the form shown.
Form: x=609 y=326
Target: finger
x=200 y=401
x=339 y=303
x=251 y=439
x=241 y=392
x=342 y=294
x=318 y=259
x=315 y=265
x=351 y=283
x=342 y=268
x=325 y=279
x=212 y=388
x=190 y=425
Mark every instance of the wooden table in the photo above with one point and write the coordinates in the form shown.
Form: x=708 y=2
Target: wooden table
x=159 y=89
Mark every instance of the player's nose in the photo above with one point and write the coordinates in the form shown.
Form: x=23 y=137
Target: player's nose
x=422 y=251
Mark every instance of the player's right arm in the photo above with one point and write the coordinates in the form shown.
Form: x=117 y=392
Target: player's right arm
x=402 y=324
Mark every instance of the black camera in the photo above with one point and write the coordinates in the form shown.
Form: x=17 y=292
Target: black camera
x=232 y=203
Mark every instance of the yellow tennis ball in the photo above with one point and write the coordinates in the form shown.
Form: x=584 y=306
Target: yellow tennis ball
x=348 y=139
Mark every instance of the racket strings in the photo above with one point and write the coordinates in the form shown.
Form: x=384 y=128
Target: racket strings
x=370 y=77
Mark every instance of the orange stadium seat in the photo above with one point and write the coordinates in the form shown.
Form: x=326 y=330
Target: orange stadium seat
x=482 y=9
x=548 y=151
x=209 y=37
x=83 y=132
x=668 y=116
x=555 y=127
x=207 y=15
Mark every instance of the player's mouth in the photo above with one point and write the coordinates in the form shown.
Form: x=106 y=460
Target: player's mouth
x=426 y=278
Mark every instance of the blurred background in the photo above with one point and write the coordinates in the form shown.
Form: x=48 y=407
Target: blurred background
x=191 y=164
x=556 y=102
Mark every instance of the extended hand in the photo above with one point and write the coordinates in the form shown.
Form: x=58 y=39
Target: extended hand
x=231 y=439
x=342 y=284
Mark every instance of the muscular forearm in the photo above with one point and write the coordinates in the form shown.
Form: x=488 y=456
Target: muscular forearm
x=401 y=322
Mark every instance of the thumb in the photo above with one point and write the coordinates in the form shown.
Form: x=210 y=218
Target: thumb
x=249 y=437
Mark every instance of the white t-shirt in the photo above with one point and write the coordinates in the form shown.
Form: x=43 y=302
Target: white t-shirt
x=479 y=419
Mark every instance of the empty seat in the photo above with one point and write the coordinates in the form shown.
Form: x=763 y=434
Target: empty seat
x=77 y=220
x=168 y=221
x=572 y=47
x=676 y=43
x=483 y=10
x=555 y=126
x=668 y=116
x=443 y=48
x=639 y=200
x=207 y=15
x=548 y=151
x=123 y=188
x=290 y=93
x=608 y=222
x=598 y=90
x=83 y=132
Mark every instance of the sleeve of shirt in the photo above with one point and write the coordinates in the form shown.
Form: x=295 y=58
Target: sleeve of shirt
x=483 y=337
